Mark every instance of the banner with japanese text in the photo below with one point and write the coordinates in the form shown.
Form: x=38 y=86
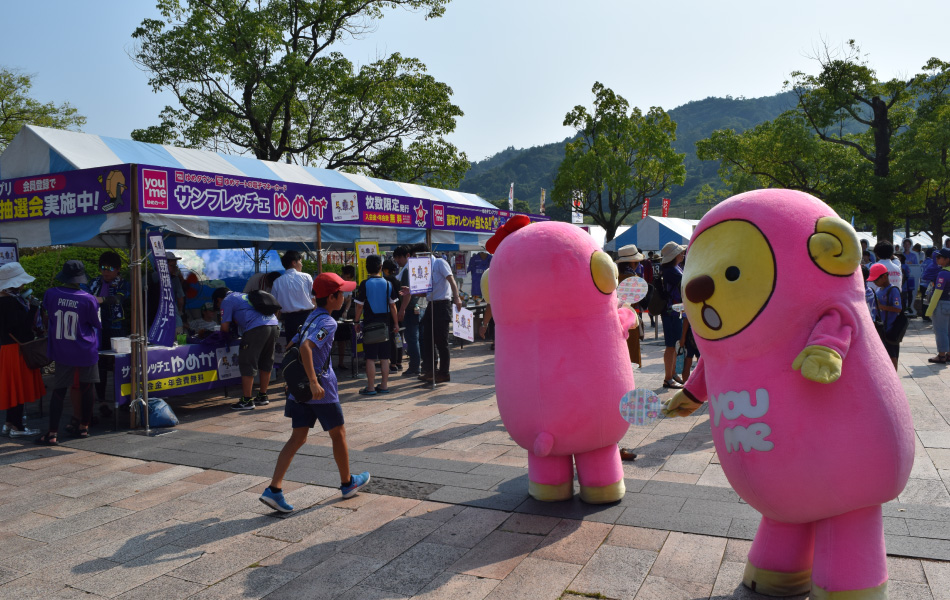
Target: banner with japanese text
x=666 y=207
x=646 y=208
x=180 y=370
x=181 y=192
x=162 y=330
x=71 y=194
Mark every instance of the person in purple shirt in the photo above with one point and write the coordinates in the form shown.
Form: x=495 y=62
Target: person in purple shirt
x=258 y=339
x=671 y=257
x=72 y=318
x=316 y=344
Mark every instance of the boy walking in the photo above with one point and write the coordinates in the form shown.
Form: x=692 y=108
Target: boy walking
x=316 y=345
x=888 y=306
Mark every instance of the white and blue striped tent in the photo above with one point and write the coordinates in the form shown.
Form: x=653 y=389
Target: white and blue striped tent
x=652 y=233
x=41 y=151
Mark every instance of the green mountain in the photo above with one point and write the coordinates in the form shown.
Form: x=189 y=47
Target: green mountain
x=534 y=168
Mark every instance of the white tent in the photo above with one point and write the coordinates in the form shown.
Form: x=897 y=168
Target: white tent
x=600 y=234
x=652 y=233
x=39 y=151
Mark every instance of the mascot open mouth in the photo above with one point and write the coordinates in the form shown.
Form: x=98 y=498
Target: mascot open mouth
x=711 y=318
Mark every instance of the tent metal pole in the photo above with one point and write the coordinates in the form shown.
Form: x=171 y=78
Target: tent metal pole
x=139 y=358
x=319 y=249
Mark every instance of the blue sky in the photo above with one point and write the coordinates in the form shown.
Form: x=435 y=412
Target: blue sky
x=516 y=66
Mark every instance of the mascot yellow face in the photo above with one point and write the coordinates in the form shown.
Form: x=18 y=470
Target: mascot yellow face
x=728 y=280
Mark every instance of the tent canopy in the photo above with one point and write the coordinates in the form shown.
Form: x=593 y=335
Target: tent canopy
x=652 y=233
x=37 y=151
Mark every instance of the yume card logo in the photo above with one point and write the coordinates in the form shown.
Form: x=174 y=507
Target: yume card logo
x=154 y=189
x=438 y=215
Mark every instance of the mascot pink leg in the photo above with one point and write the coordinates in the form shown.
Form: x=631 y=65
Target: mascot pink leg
x=599 y=472
x=550 y=477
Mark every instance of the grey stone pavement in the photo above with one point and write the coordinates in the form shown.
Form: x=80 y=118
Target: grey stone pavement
x=446 y=516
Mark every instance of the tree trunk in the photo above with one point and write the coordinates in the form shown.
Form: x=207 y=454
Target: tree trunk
x=885 y=230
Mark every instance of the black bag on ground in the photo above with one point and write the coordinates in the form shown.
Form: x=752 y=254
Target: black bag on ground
x=263 y=302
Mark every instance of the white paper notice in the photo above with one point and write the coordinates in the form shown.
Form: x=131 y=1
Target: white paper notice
x=345 y=207
x=420 y=275
x=228 y=367
x=463 y=323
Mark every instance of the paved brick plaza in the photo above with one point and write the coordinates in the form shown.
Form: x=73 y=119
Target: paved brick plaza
x=447 y=514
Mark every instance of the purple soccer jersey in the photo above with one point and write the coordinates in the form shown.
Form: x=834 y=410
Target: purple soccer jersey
x=74 y=326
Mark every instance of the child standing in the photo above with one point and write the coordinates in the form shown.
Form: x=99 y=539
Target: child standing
x=888 y=306
x=316 y=344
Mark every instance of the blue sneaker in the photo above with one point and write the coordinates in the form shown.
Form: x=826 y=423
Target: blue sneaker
x=356 y=482
x=275 y=501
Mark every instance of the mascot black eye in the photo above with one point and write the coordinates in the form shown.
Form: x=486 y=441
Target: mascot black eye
x=732 y=273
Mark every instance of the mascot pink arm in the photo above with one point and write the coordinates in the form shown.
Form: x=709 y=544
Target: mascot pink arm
x=561 y=363
x=810 y=422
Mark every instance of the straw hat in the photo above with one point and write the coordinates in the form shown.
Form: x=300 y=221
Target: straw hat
x=629 y=254
x=670 y=251
x=12 y=275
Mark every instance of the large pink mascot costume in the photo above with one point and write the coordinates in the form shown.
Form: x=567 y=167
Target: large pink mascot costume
x=809 y=419
x=561 y=362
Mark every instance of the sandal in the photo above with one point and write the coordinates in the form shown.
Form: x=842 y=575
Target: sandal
x=940 y=360
x=73 y=427
x=627 y=454
x=366 y=392
x=83 y=433
x=672 y=384
x=49 y=439
x=381 y=390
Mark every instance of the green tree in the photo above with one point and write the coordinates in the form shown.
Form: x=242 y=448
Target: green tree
x=263 y=77
x=923 y=152
x=845 y=92
x=521 y=206
x=620 y=157
x=17 y=108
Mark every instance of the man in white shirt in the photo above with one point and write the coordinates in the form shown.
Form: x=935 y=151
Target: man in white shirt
x=293 y=292
x=437 y=318
x=884 y=251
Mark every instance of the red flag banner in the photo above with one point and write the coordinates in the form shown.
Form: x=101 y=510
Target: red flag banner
x=646 y=208
x=666 y=207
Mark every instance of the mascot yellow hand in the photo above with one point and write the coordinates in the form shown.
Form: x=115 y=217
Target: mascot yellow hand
x=680 y=405
x=819 y=364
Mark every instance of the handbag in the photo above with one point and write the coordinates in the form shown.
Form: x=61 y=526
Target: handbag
x=375 y=333
x=34 y=352
x=295 y=376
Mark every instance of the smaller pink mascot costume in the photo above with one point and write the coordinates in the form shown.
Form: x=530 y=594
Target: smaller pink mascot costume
x=561 y=362
x=808 y=417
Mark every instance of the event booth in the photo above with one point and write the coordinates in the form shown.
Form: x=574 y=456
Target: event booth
x=652 y=233
x=68 y=188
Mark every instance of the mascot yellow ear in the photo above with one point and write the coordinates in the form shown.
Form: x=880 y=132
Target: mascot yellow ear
x=604 y=272
x=834 y=247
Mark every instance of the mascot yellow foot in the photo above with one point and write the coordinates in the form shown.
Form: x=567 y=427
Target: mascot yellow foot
x=874 y=593
x=551 y=493
x=604 y=494
x=776 y=583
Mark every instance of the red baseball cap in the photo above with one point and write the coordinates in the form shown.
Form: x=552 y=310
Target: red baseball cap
x=329 y=283
x=877 y=269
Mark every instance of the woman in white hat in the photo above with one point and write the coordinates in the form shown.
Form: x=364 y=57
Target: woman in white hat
x=18 y=383
x=671 y=257
x=628 y=264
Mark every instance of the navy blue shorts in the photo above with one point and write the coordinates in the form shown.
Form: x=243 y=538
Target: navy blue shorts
x=672 y=328
x=306 y=415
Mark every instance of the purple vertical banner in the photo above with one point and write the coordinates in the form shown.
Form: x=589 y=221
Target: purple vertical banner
x=162 y=331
